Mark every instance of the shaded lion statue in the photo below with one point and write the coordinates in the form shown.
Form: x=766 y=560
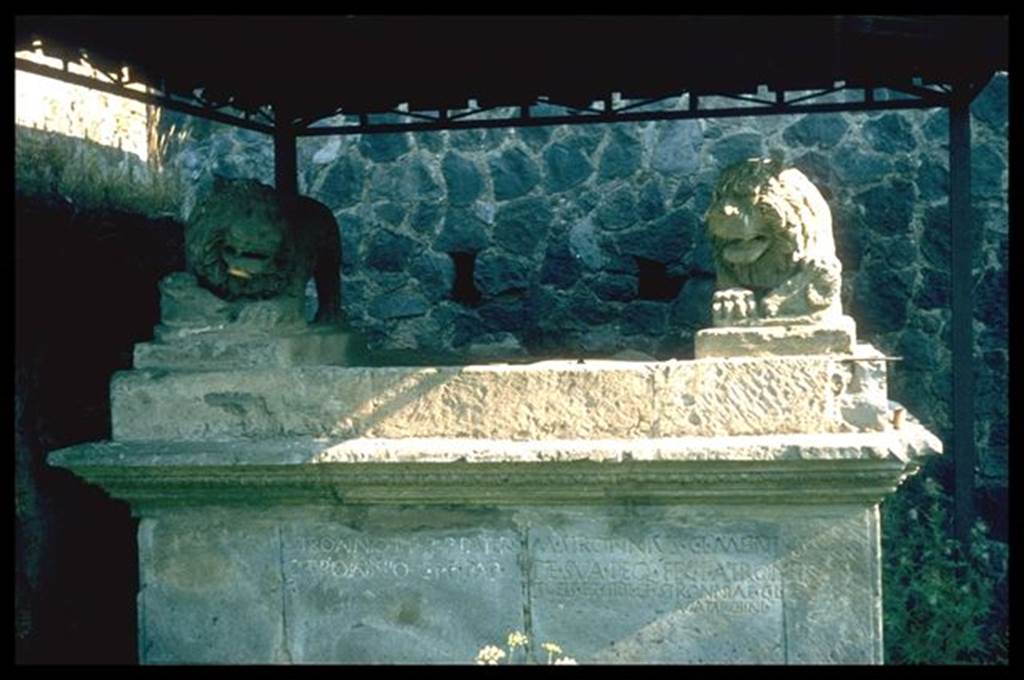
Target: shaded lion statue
x=771 y=234
x=244 y=241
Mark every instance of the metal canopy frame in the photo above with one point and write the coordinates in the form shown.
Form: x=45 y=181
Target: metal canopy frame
x=612 y=108
x=760 y=99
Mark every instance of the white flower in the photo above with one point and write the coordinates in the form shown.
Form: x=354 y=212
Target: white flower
x=551 y=648
x=489 y=656
x=517 y=639
x=565 y=661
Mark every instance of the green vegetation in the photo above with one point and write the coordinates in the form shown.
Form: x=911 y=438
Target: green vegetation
x=92 y=176
x=945 y=602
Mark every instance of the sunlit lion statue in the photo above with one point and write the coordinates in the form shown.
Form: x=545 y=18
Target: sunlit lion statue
x=243 y=241
x=771 y=233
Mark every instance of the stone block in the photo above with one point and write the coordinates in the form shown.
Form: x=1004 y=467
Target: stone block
x=496 y=272
x=384 y=148
x=651 y=204
x=342 y=186
x=621 y=156
x=991 y=104
x=536 y=137
x=565 y=166
x=823 y=130
x=184 y=303
x=890 y=133
x=833 y=336
x=667 y=239
x=676 y=148
x=864 y=400
x=608 y=584
x=521 y=225
x=461 y=232
x=462 y=178
x=560 y=267
x=536 y=401
x=390 y=251
x=155 y=404
x=854 y=166
x=210 y=591
x=889 y=209
x=617 y=210
x=612 y=287
x=583 y=245
x=744 y=396
x=541 y=401
x=832 y=567
x=435 y=274
x=398 y=305
x=225 y=350
x=987 y=170
x=409 y=587
x=736 y=148
x=703 y=586
x=425 y=218
x=417 y=183
x=514 y=174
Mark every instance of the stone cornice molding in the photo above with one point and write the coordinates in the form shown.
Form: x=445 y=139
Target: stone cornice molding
x=854 y=468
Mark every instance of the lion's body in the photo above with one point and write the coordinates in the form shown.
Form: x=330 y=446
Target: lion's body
x=771 y=233
x=245 y=242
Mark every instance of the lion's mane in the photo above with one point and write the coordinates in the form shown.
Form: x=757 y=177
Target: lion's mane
x=239 y=202
x=778 y=205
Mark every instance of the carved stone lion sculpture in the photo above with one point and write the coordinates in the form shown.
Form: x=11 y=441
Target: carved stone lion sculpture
x=771 y=233
x=246 y=242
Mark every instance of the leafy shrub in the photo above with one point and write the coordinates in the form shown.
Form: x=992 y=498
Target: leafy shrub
x=91 y=176
x=944 y=602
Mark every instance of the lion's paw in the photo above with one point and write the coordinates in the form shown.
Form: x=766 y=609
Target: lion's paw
x=732 y=305
x=770 y=306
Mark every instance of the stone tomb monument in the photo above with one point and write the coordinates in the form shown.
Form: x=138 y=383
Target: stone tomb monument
x=720 y=510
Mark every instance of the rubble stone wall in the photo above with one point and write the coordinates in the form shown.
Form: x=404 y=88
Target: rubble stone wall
x=587 y=240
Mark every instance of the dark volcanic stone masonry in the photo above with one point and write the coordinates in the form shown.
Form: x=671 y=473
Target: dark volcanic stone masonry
x=561 y=225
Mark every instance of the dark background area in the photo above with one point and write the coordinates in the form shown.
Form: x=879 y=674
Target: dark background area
x=85 y=292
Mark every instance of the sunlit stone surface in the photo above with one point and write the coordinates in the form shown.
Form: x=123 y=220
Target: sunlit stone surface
x=709 y=511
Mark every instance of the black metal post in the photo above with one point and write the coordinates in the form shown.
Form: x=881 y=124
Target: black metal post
x=962 y=280
x=286 y=169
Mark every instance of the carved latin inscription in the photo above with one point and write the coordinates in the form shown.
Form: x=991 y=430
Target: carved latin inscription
x=725 y=573
x=428 y=558
x=371 y=594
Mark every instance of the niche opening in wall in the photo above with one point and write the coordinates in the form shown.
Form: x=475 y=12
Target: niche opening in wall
x=655 y=283
x=464 y=290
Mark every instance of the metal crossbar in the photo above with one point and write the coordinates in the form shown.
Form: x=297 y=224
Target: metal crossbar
x=261 y=120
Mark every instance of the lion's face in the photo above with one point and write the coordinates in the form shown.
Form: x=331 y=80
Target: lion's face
x=759 y=219
x=241 y=245
x=252 y=250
